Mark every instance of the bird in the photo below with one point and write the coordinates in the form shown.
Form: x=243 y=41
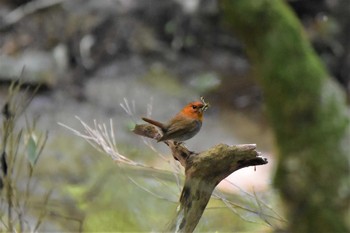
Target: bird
x=184 y=125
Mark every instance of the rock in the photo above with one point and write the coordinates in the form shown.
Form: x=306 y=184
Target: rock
x=33 y=66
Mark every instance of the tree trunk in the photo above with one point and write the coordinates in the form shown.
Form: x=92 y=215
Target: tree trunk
x=307 y=111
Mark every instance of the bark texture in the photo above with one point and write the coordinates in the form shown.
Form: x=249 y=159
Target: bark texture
x=203 y=172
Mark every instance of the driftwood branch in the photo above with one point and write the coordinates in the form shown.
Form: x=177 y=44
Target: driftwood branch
x=203 y=172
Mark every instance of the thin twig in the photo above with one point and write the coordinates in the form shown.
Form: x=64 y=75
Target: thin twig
x=149 y=191
x=100 y=138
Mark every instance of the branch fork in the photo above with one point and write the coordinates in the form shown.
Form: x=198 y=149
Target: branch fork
x=203 y=171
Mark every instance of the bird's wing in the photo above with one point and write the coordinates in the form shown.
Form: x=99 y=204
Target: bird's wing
x=180 y=127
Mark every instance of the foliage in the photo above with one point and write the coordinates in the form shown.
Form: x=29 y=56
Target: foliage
x=21 y=148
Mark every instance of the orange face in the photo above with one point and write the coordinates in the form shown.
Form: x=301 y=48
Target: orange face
x=194 y=110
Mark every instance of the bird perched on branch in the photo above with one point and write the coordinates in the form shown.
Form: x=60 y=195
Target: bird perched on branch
x=185 y=124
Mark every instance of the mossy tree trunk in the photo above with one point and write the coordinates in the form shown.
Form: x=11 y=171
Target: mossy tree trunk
x=307 y=111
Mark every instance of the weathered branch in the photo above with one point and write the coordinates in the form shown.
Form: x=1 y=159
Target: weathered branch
x=203 y=172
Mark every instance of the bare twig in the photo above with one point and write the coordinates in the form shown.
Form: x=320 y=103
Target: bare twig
x=102 y=139
x=149 y=191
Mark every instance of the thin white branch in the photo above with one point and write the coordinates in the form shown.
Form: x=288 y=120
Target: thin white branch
x=102 y=138
x=149 y=191
x=260 y=213
x=125 y=105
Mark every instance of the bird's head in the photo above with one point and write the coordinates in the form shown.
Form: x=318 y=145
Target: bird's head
x=195 y=109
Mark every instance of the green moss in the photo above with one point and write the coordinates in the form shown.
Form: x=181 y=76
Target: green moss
x=306 y=112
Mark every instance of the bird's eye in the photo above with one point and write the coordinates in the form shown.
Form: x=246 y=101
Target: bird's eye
x=194 y=106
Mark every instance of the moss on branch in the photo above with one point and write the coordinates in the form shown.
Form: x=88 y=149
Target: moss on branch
x=203 y=172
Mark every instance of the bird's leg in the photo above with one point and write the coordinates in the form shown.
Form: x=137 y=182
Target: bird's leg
x=177 y=143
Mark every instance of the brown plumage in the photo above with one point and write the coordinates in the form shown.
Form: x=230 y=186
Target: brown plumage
x=184 y=125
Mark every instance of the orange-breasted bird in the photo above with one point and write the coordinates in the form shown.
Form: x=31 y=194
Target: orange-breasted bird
x=184 y=125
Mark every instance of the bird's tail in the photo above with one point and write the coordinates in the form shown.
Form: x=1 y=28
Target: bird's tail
x=153 y=122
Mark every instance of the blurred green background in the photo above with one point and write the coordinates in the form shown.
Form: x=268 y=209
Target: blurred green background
x=90 y=56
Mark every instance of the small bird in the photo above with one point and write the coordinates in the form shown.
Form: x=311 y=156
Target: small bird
x=184 y=125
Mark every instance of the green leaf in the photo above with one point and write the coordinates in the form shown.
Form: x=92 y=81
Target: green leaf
x=32 y=150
